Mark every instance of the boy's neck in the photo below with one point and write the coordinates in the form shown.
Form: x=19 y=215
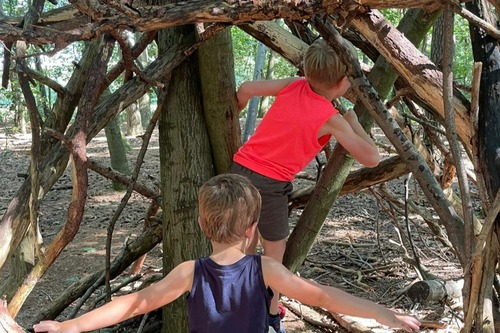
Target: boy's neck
x=329 y=94
x=227 y=254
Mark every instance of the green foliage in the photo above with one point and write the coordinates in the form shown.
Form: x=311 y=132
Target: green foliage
x=463 y=59
x=244 y=50
x=393 y=15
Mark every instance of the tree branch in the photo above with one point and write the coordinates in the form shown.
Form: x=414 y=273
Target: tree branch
x=56 y=27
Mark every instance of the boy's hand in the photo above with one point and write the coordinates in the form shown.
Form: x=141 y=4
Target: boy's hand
x=54 y=327
x=399 y=320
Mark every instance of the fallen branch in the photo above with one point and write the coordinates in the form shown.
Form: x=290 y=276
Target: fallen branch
x=131 y=252
x=390 y=168
x=434 y=290
x=297 y=309
x=7 y=323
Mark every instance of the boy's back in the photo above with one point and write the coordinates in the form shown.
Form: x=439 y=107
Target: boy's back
x=229 y=298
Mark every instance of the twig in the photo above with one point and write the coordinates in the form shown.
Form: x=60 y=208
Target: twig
x=480 y=180
x=487 y=27
x=140 y=159
x=410 y=238
x=296 y=309
x=143 y=322
x=117 y=288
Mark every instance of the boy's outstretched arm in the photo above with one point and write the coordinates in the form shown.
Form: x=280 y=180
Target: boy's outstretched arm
x=332 y=299
x=350 y=134
x=249 y=89
x=171 y=287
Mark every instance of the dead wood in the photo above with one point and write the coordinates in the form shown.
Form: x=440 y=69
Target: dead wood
x=85 y=20
x=13 y=226
x=132 y=250
x=390 y=168
x=451 y=132
x=483 y=262
x=7 y=323
x=307 y=314
x=139 y=161
x=76 y=208
x=417 y=165
x=434 y=290
x=118 y=177
x=14 y=222
x=415 y=68
x=154 y=207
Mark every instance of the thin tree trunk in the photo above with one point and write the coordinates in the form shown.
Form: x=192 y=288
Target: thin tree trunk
x=117 y=151
x=479 y=310
x=253 y=105
x=265 y=101
x=134 y=122
x=218 y=85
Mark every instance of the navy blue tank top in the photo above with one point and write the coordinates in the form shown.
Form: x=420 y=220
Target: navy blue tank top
x=228 y=299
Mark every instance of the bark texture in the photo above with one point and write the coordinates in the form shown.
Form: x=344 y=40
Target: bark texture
x=186 y=163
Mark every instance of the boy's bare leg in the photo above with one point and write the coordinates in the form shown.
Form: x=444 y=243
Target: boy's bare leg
x=275 y=250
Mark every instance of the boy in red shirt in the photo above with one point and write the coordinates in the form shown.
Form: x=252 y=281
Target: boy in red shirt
x=298 y=125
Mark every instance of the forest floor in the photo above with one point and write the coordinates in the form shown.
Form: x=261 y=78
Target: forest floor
x=358 y=249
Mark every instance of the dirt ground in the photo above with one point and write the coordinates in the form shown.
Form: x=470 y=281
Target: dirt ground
x=358 y=249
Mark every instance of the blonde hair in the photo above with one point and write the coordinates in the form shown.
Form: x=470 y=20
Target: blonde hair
x=322 y=64
x=228 y=205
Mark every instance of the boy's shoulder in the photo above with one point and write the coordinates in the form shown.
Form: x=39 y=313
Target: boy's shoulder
x=186 y=267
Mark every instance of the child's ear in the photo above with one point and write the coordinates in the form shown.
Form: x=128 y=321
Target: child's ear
x=343 y=81
x=343 y=85
x=251 y=230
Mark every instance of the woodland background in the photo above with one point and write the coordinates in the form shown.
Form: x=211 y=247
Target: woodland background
x=427 y=79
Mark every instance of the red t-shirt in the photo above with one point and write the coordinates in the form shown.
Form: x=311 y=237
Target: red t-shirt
x=286 y=140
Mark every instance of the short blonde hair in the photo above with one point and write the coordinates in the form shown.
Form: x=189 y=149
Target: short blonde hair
x=228 y=205
x=322 y=64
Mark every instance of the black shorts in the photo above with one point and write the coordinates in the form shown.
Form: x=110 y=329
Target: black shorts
x=273 y=222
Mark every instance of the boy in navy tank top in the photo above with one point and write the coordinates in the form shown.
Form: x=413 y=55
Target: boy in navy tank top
x=229 y=291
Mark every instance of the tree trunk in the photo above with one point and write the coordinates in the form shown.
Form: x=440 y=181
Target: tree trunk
x=20 y=120
x=186 y=163
x=117 y=151
x=145 y=109
x=486 y=51
x=253 y=105
x=215 y=58
x=134 y=122
x=265 y=101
